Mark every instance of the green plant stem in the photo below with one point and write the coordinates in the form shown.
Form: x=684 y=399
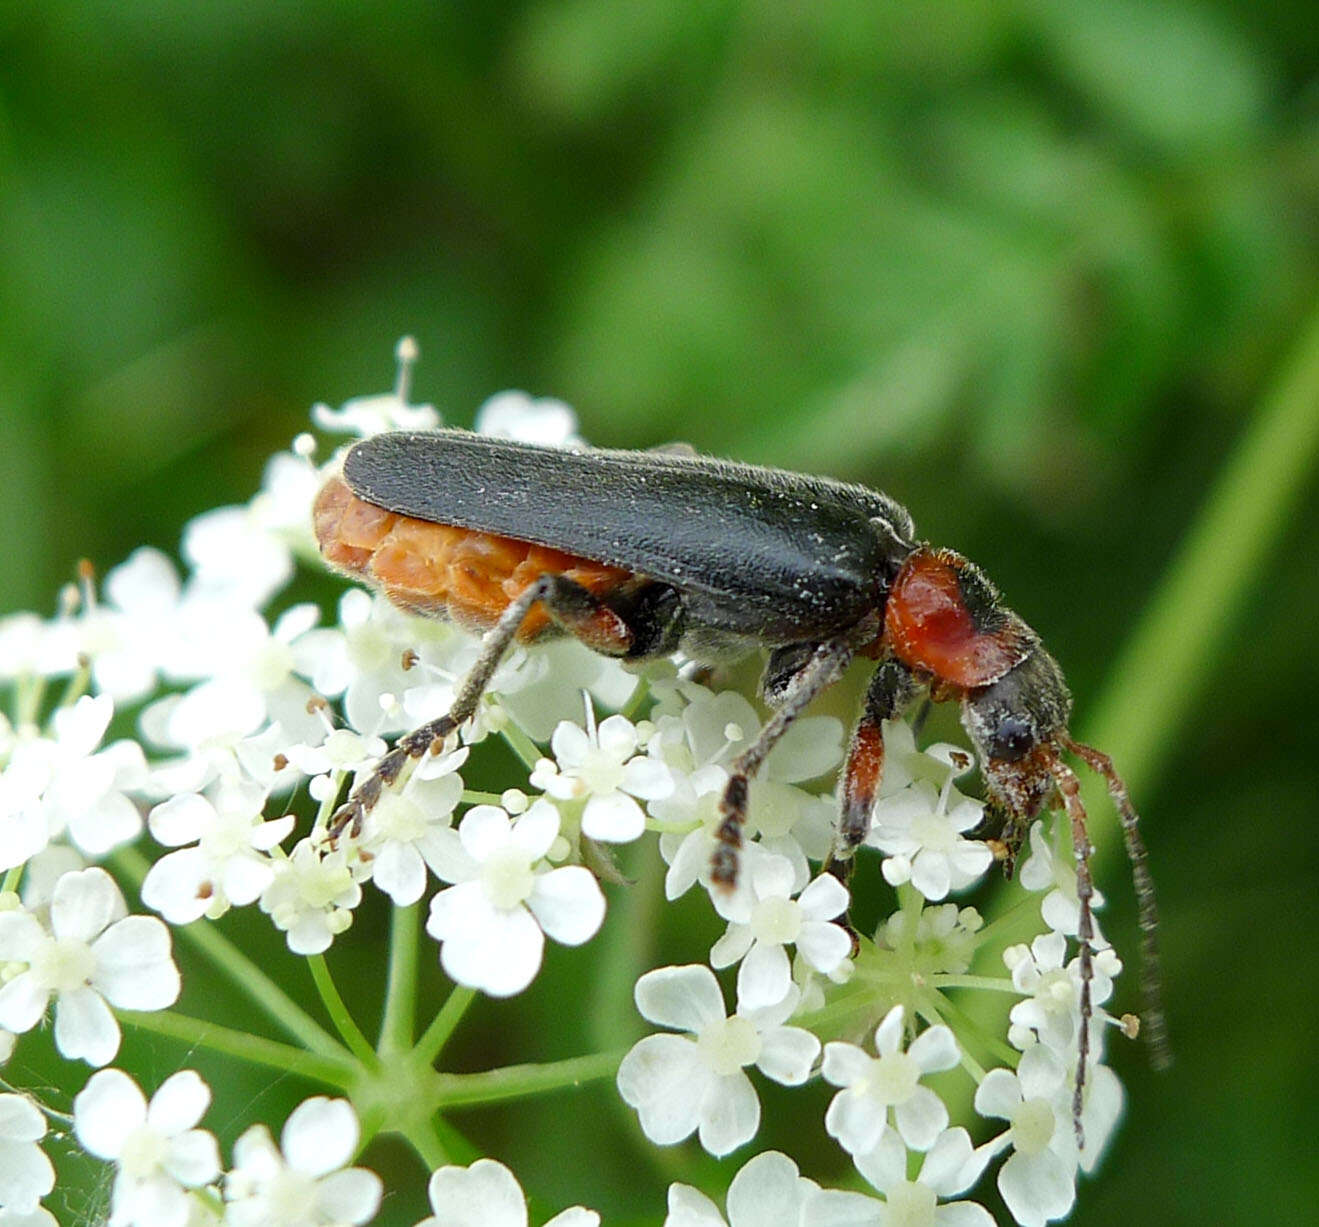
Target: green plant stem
x=400 y=1009
x=1165 y=664
x=339 y=1013
x=256 y=1049
x=443 y=1024
x=203 y=936
x=521 y=1081
x=521 y=745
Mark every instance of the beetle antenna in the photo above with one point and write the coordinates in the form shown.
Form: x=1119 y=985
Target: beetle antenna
x=1151 y=980
x=1070 y=788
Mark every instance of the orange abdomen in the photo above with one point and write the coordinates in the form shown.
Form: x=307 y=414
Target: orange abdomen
x=441 y=570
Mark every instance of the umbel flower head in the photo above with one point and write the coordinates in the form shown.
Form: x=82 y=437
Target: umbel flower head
x=195 y=731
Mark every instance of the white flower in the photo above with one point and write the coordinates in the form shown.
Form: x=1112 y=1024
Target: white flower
x=1051 y=1013
x=541 y=420
x=81 y=789
x=230 y=862
x=920 y=831
x=945 y=937
x=402 y=834
x=601 y=766
x=93 y=955
x=491 y=921
x=949 y=1167
x=858 y=1115
x=158 y=1151
x=343 y=752
x=695 y=1082
x=487 y=1194
x=128 y=638
x=769 y=1192
x=771 y=919
x=247 y=667
x=1038 y=1182
x=26 y=1175
x=312 y=897
x=307 y=1185
x=1050 y=870
x=698 y=744
x=371 y=415
x=236 y=560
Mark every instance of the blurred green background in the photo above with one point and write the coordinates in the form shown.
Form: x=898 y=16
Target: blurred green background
x=1030 y=266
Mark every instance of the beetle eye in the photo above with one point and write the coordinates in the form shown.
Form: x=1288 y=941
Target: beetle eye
x=1011 y=740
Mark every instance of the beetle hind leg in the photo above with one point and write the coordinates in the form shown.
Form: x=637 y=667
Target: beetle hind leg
x=824 y=666
x=652 y=622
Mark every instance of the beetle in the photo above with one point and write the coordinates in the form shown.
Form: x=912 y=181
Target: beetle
x=640 y=554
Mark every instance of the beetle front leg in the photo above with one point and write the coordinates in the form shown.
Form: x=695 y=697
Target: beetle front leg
x=822 y=669
x=571 y=606
x=891 y=689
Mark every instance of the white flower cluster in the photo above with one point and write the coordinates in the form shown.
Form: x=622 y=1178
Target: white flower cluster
x=258 y=711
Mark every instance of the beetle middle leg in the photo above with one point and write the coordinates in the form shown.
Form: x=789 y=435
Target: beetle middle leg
x=823 y=667
x=651 y=623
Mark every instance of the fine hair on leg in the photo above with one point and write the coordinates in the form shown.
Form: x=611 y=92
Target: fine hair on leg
x=575 y=607
x=824 y=667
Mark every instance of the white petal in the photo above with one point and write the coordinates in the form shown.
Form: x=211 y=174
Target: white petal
x=648 y=778
x=767 y=1192
x=320 y=1135
x=664 y=1077
x=446 y=855
x=84 y=1027
x=133 y=965
x=823 y=945
x=963 y=1214
x=689 y=1207
x=20 y=1120
x=535 y=830
x=84 y=903
x=179 y=1103
x=181 y=820
x=617 y=737
x=934 y=1049
x=856 y=1120
x=496 y=950
x=570 y=745
x=684 y=998
x=1039 y=1073
x=884 y=1164
x=349 y=1197
x=1037 y=1188
x=835 y=1208
x=400 y=872
x=947 y=1166
x=568 y=903
x=824 y=898
x=23 y=1002
x=921 y=1118
x=998 y=1094
x=730 y=1114
x=106 y=1110
x=787 y=1054
x=575 y=1216
x=888 y=1035
x=764 y=977
x=844 y=1064
x=484 y=828
x=735 y=942
x=26 y=1176
x=483 y=1195
x=194 y=1158
x=615 y=818
x=930 y=875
